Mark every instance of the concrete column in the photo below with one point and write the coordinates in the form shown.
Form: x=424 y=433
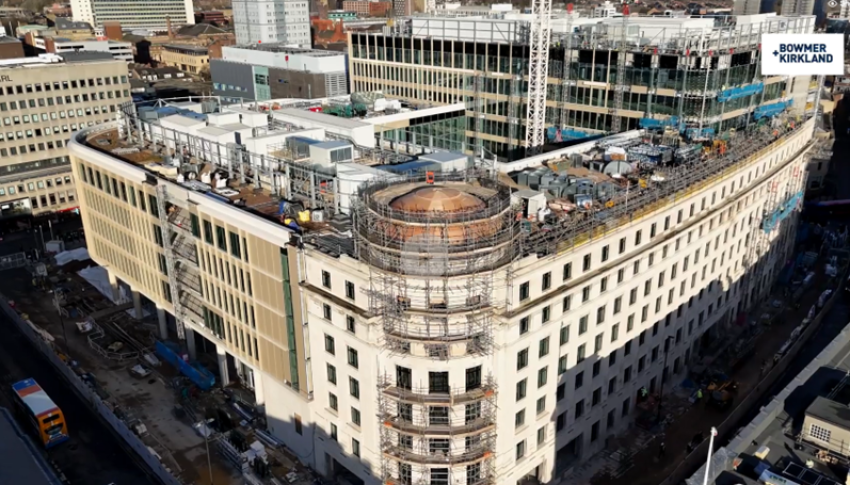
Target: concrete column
x=163 y=323
x=137 y=304
x=222 y=364
x=113 y=282
x=259 y=395
x=190 y=342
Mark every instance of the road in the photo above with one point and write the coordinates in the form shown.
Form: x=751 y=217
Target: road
x=94 y=455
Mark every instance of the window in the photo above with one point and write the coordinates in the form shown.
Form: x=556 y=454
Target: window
x=522 y=359
x=561 y=422
x=523 y=291
x=331 y=374
x=560 y=393
x=582 y=325
x=208 y=234
x=544 y=347
x=542 y=376
x=579 y=380
x=596 y=397
x=605 y=252
x=519 y=419
x=547 y=314
x=637 y=238
x=603 y=285
x=520 y=450
x=355 y=416
x=221 y=241
x=353 y=360
x=334 y=432
x=541 y=405
x=568 y=271
x=330 y=345
x=565 y=306
x=349 y=290
x=235 y=249
x=585 y=265
x=355 y=447
x=594 y=430
x=579 y=409
x=541 y=435
x=618 y=304
x=819 y=433
x=547 y=281
x=597 y=343
x=354 y=387
x=333 y=402
x=326 y=279
x=585 y=294
x=600 y=315
x=521 y=389
x=326 y=311
x=349 y=324
x=565 y=334
x=562 y=364
x=523 y=325
x=581 y=353
x=615 y=332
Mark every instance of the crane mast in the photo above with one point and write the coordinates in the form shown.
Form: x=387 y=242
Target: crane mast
x=540 y=35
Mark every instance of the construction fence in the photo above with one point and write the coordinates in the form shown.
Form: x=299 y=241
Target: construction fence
x=132 y=443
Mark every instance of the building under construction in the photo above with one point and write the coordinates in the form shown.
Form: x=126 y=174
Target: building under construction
x=420 y=317
x=699 y=76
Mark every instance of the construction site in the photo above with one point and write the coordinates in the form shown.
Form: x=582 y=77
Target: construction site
x=473 y=295
x=586 y=76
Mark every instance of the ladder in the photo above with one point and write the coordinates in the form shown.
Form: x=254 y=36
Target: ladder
x=170 y=264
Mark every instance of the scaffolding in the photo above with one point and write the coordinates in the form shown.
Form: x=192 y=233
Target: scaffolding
x=432 y=273
x=428 y=435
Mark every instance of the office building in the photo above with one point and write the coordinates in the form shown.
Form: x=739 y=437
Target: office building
x=671 y=77
x=133 y=14
x=409 y=319
x=188 y=58
x=274 y=71
x=272 y=21
x=119 y=50
x=45 y=99
x=798 y=7
x=10 y=48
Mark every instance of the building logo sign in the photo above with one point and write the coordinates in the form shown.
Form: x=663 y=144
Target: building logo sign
x=5 y=79
x=802 y=54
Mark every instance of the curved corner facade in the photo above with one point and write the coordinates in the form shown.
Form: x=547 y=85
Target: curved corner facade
x=439 y=349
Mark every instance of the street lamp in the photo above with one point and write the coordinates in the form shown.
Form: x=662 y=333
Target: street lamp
x=663 y=375
x=207 y=433
x=708 y=460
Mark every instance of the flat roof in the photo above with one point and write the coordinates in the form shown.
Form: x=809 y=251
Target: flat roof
x=186 y=47
x=322 y=118
x=830 y=411
x=16 y=447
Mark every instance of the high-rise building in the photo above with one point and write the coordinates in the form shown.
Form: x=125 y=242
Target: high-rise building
x=134 y=14
x=44 y=99
x=272 y=21
x=408 y=319
x=674 y=73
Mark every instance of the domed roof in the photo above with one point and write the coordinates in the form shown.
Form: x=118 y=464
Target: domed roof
x=437 y=199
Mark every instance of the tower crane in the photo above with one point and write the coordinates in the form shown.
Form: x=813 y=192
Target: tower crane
x=538 y=68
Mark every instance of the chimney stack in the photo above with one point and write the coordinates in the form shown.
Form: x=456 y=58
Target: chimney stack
x=168 y=26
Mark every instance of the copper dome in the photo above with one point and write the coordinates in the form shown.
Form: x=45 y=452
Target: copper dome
x=437 y=199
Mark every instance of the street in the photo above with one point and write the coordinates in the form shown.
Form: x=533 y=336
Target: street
x=93 y=456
